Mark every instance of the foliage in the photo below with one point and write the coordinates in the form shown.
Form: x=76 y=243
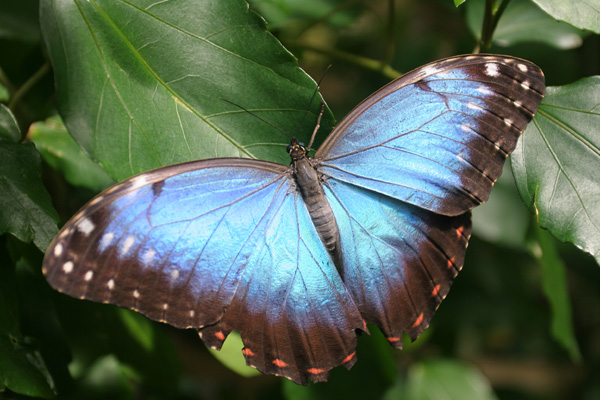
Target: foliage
x=139 y=85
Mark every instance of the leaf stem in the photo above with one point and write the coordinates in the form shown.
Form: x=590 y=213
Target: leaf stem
x=29 y=83
x=491 y=17
x=367 y=63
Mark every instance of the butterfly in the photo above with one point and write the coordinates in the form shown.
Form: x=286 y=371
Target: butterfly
x=300 y=258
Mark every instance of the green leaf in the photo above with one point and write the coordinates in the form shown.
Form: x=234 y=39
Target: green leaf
x=523 y=22
x=9 y=128
x=140 y=83
x=22 y=368
x=541 y=245
x=60 y=151
x=458 y=2
x=447 y=379
x=25 y=207
x=502 y=219
x=231 y=356
x=556 y=164
x=582 y=14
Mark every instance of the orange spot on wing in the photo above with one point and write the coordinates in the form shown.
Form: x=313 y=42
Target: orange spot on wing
x=450 y=262
x=418 y=321
x=247 y=352
x=316 y=371
x=220 y=335
x=280 y=363
x=350 y=357
x=393 y=339
x=459 y=231
x=436 y=290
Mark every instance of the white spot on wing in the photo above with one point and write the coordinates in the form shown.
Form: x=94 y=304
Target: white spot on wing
x=491 y=69
x=136 y=294
x=192 y=313
x=522 y=67
x=68 y=267
x=58 y=249
x=106 y=240
x=149 y=256
x=473 y=106
x=485 y=90
x=174 y=274
x=466 y=127
x=508 y=121
x=111 y=284
x=165 y=306
x=88 y=276
x=86 y=226
x=525 y=85
x=517 y=104
x=127 y=245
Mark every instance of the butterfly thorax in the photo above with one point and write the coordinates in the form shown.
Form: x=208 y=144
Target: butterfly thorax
x=314 y=197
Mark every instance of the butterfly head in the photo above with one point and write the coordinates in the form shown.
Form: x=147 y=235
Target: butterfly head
x=297 y=150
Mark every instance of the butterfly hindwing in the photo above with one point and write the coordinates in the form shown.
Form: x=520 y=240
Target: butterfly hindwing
x=438 y=137
x=300 y=326
x=399 y=260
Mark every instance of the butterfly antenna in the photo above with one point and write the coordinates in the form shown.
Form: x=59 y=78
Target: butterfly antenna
x=312 y=138
x=260 y=118
x=308 y=108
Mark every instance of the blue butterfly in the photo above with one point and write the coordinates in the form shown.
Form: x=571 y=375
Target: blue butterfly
x=300 y=258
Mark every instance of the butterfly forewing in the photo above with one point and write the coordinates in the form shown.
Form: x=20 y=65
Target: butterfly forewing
x=437 y=137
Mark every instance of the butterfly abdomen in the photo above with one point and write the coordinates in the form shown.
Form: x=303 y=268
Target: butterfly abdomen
x=318 y=207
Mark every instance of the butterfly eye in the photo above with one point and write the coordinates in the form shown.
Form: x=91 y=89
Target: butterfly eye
x=289 y=148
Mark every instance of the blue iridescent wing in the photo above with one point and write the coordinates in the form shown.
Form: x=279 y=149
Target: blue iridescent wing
x=398 y=260
x=216 y=245
x=438 y=137
x=404 y=168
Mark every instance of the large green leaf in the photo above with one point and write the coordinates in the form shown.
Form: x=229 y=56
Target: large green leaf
x=523 y=22
x=557 y=164
x=140 y=82
x=584 y=14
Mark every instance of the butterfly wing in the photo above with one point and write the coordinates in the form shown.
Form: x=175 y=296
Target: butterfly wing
x=438 y=137
x=398 y=260
x=404 y=168
x=218 y=245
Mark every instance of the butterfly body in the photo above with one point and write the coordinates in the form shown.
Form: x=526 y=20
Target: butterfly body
x=299 y=258
x=320 y=211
